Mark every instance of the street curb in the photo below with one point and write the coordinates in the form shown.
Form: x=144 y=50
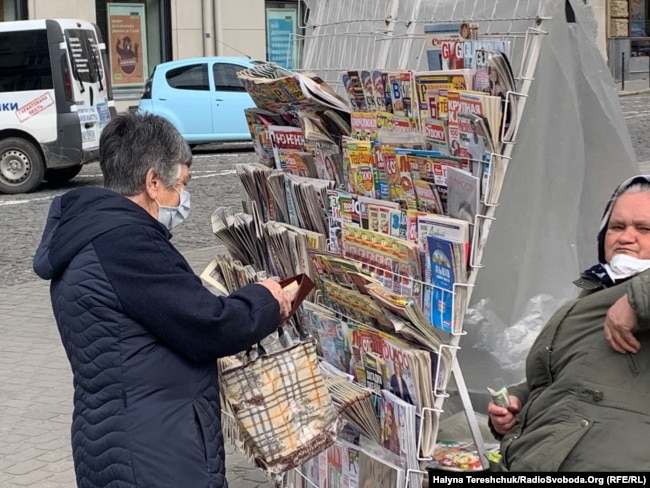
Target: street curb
x=633 y=92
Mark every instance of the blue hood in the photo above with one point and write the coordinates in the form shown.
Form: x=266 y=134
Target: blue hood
x=77 y=218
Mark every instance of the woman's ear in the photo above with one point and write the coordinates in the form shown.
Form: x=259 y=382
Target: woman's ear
x=152 y=184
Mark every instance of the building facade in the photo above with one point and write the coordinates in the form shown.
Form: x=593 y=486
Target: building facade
x=142 y=33
x=628 y=38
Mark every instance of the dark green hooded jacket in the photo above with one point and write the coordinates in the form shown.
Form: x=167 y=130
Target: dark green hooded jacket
x=585 y=407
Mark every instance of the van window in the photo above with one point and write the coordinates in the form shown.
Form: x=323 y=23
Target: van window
x=192 y=77
x=24 y=61
x=85 y=55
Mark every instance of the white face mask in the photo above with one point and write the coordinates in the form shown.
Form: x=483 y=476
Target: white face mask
x=170 y=217
x=623 y=266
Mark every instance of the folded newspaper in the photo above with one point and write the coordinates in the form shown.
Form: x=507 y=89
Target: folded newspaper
x=279 y=90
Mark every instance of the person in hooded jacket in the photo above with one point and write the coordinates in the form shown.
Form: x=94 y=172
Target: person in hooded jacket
x=585 y=405
x=140 y=330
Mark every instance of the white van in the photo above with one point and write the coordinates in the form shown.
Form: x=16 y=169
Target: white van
x=55 y=99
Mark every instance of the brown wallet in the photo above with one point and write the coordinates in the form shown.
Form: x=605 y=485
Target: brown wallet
x=300 y=285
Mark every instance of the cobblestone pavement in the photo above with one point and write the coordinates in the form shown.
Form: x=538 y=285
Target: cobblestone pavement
x=636 y=108
x=35 y=379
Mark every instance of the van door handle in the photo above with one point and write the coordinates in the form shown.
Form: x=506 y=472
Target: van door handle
x=218 y=99
x=162 y=99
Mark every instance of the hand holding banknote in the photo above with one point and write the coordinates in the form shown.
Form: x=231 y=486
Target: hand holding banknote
x=503 y=410
x=499 y=397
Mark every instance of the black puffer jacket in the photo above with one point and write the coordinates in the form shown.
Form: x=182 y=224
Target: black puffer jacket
x=142 y=335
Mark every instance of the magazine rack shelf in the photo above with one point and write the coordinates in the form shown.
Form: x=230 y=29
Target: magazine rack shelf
x=462 y=291
x=532 y=45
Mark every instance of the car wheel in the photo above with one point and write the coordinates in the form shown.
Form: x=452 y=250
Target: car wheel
x=21 y=166
x=62 y=175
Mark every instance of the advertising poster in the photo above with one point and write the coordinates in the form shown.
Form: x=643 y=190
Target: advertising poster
x=127 y=43
x=281 y=36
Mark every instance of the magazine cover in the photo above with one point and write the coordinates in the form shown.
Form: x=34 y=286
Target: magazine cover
x=363 y=126
x=441 y=259
x=375 y=472
x=425 y=82
x=462 y=195
x=350 y=464
x=335 y=465
x=368 y=90
x=445 y=36
x=401 y=377
x=329 y=162
x=395 y=85
x=475 y=139
x=461 y=456
x=434 y=36
x=435 y=136
x=361 y=167
x=399 y=433
x=349 y=90
x=335 y=222
x=448 y=228
x=332 y=340
x=284 y=137
x=356 y=87
x=382 y=189
x=379 y=86
x=477 y=56
x=400 y=180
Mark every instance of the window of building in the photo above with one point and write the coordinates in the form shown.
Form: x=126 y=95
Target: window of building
x=13 y=10
x=137 y=34
x=639 y=16
x=284 y=32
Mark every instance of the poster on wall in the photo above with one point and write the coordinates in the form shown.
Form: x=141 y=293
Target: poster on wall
x=281 y=42
x=127 y=38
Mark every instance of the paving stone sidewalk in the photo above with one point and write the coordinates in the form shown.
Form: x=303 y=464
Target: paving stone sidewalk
x=633 y=87
x=36 y=394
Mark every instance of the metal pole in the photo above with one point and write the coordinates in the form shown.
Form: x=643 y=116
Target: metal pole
x=623 y=71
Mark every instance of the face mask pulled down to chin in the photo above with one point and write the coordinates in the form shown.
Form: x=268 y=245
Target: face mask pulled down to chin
x=623 y=266
x=171 y=217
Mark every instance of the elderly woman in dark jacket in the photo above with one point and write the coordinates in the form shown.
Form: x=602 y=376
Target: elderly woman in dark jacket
x=585 y=405
x=140 y=330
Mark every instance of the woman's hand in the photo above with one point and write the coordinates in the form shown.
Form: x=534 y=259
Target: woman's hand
x=504 y=419
x=620 y=324
x=283 y=297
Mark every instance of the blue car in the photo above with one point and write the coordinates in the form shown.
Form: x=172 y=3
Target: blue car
x=202 y=97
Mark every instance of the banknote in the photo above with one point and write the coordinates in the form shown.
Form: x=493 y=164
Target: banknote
x=499 y=397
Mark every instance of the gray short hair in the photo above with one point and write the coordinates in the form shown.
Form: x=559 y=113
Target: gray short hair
x=133 y=143
x=638 y=187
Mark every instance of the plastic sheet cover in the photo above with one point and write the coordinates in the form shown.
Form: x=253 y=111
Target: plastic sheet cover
x=572 y=150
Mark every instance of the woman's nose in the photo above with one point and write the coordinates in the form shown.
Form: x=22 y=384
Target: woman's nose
x=628 y=235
